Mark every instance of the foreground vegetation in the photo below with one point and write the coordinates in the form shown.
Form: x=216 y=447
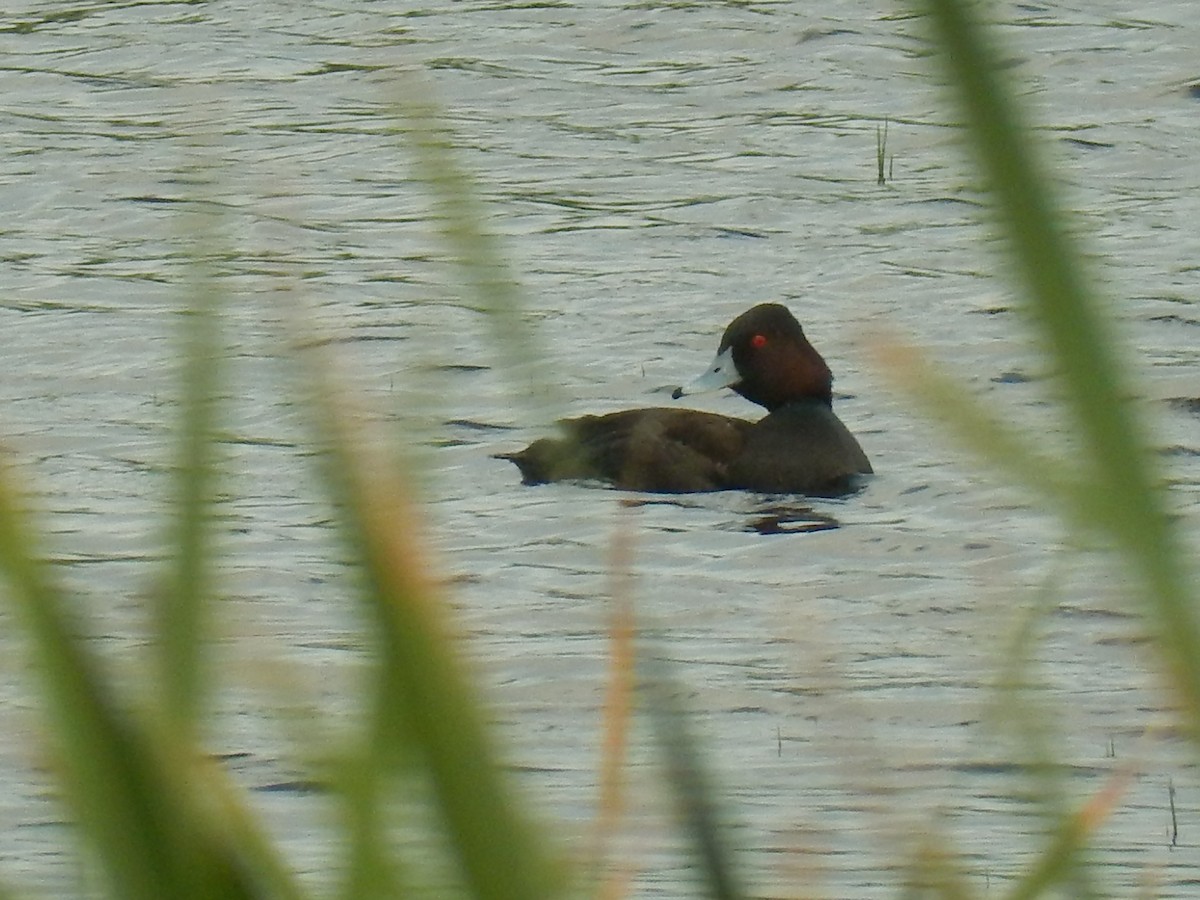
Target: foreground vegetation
x=161 y=819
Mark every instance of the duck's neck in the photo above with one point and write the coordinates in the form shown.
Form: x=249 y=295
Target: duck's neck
x=825 y=399
x=802 y=378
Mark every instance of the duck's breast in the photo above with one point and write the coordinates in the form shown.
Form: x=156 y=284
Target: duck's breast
x=800 y=448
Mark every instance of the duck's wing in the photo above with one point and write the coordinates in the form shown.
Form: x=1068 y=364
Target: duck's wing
x=657 y=449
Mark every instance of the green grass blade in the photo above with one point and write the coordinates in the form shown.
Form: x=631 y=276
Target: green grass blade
x=486 y=277
x=943 y=397
x=1117 y=464
x=182 y=624
x=690 y=783
x=936 y=872
x=103 y=768
x=1064 y=862
x=361 y=778
x=132 y=796
x=426 y=691
x=1056 y=863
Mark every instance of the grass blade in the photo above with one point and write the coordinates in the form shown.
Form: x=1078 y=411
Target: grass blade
x=1056 y=863
x=486 y=277
x=134 y=796
x=1064 y=862
x=936 y=872
x=1125 y=488
x=426 y=691
x=372 y=870
x=690 y=783
x=617 y=710
x=103 y=767
x=944 y=398
x=182 y=625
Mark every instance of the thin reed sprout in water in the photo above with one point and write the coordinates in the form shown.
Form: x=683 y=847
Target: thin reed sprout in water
x=881 y=135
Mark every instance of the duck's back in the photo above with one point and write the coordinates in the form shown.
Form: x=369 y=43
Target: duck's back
x=802 y=447
x=656 y=449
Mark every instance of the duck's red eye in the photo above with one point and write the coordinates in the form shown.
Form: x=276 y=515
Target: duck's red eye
x=758 y=341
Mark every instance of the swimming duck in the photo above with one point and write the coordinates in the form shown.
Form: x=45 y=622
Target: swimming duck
x=800 y=446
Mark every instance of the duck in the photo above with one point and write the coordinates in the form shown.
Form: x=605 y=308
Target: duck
x=799 y=447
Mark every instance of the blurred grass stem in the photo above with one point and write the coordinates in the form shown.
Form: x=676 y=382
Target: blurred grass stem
x=182 y=624
x=1125 y=489
x=425 y=698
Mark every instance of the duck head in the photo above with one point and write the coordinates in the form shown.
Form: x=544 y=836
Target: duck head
x=766 y=358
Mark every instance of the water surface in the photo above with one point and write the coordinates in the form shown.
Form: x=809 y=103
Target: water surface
x=652 y=170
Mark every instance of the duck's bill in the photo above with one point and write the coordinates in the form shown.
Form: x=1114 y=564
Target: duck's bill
x=722 y=373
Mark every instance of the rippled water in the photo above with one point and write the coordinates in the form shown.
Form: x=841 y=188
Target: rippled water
x=653 y=169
